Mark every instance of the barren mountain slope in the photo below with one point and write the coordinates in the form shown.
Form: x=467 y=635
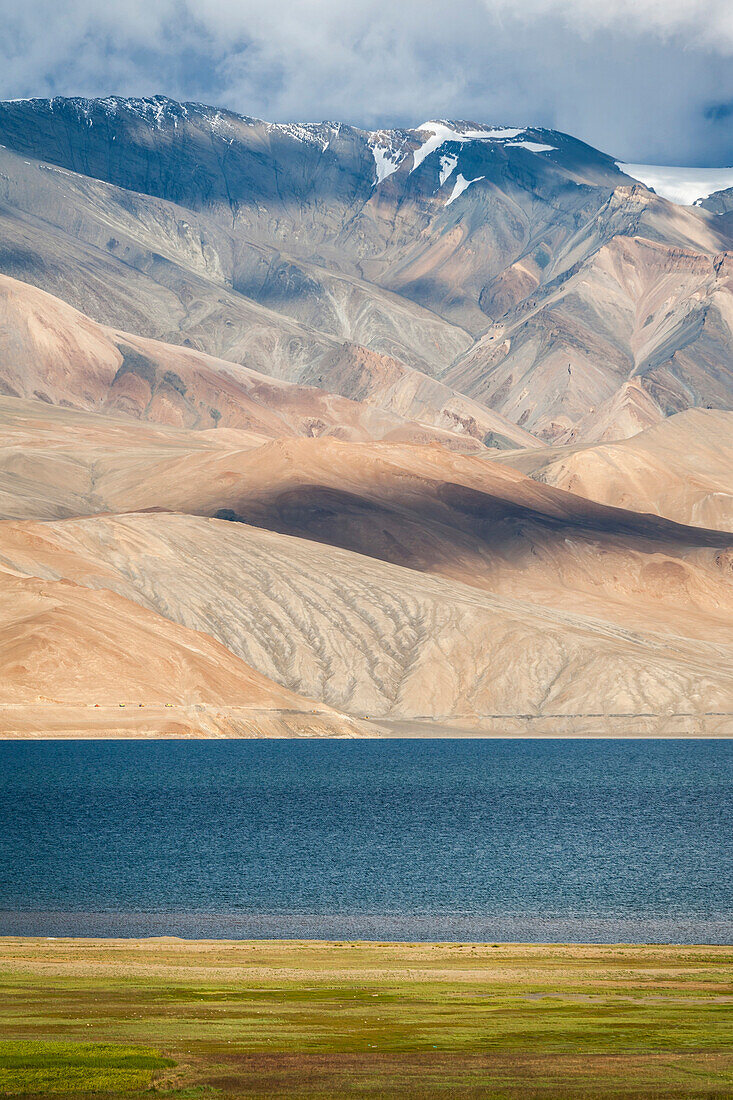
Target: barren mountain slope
x=682 y=468
x=719 y=202
x=386 y=383
x=373 y=638
x=48 y=349
x=252 y=471
x=638 y=332
x=146 y=265
x=420 y=507
x=601 y=611
x=57 y=462
x=53 y=353
x=52 y=458
x=461 y=517
x=73 y=659
x=388 y=205
x=271 y=245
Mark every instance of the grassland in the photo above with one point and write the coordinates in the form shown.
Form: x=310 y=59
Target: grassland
x=307 y=1019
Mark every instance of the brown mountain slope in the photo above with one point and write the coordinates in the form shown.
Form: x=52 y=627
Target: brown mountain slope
x=77 y=662
x=52 y=458
x=637 y=332
x=601 y=612
x=383 y=382
x=420 y=507
x=373 y=638
x=57 y=462
x=304 y=318
x=455 y=515
x=53 y=353
x=144 y=264
x=681 y=468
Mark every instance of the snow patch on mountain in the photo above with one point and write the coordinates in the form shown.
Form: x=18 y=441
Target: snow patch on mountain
x=385 y=162
x=156 y=111
x=447 y=165
x=389 y=150
x=460 y=186
x=319 y=134
x=684 y=186
x=502 y=133
x=440 y=132
x=533 y=146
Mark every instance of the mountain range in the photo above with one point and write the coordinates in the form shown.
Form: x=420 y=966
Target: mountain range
x=311 y=430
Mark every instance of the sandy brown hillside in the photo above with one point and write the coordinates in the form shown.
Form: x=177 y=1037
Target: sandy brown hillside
x=681 y=468
x=636 y=332
x=425 y=508
x=386 y=383
x=53 y=353
x=457 y=589
x=80 y=662
x=482 y=524
x=51 y=457
x=376 y=639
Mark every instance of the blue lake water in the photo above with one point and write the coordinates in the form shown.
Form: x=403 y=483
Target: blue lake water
x=561 y=840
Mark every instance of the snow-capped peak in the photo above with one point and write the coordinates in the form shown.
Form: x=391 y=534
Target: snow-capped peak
x=320 y=134
x=440 y=132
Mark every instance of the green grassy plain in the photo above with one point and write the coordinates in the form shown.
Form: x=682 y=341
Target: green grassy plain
x=298 y=1019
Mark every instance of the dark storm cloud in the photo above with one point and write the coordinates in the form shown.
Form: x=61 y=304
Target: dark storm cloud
x=646 y=80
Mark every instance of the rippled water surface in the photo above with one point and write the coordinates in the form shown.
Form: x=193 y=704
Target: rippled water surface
x=440 y=839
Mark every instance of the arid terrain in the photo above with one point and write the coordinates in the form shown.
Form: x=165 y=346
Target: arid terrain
x=314 y=431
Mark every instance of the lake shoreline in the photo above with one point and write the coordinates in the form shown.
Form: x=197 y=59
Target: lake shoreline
x=406 y=929
x=132 y=722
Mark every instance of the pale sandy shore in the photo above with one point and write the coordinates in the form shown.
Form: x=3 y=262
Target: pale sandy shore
x=20 y=721
x=616 y=726
x=204 y=721
x=224 y=960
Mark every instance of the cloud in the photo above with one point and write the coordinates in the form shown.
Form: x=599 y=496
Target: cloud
x=706 y=23
x=642 y=79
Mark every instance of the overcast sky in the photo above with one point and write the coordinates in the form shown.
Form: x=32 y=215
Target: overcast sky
x=645 y=80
